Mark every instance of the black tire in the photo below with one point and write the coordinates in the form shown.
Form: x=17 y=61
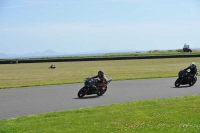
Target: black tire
x=177 y=83
x=99 y=93
x=81 y=92
x=105 y=90
x=191 y=84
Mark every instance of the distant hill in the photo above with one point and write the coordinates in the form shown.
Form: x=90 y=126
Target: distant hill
x=31 y=55
x=2 y=55
x=51 y=53
x=41 y=54
x=196 y=48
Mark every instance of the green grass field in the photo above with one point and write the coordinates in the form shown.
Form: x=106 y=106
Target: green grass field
x=37 y=74
x=173 y=115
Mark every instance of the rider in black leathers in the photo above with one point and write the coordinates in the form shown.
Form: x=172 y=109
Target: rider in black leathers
x=193 y=69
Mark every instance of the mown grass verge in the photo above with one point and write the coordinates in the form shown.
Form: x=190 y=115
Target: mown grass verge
x=174 y=115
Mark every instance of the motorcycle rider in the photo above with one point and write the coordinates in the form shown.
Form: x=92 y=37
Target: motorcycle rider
x=102 y=78
x=193 y=69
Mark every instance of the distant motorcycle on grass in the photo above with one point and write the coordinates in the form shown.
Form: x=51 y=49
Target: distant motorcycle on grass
x=92 y=86
x=184 y=77
x=52 y=66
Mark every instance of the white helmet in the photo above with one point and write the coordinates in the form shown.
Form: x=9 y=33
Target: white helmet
x=192 y=65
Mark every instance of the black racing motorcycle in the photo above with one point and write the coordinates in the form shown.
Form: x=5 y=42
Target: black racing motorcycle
x=92 y=86
x=184 y=77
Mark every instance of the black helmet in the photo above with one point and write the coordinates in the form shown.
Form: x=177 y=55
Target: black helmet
x=100 y=73
x=192 y=65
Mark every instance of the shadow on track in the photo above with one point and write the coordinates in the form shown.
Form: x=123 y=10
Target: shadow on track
x=186 y=86
x=87 y=97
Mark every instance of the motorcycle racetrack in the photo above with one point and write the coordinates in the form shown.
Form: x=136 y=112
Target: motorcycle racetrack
x=35 y=100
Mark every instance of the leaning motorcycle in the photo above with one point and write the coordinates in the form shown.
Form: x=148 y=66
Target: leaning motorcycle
x=184 y=77
x=92 y=86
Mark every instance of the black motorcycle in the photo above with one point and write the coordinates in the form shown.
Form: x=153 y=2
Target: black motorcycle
x=184 y=77
x=92 y=86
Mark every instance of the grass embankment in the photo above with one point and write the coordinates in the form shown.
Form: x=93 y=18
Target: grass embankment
x=175 y=115
x=37 y=74
x=153 y=53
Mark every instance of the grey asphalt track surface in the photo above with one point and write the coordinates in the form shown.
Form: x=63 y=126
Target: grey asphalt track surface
x=36 y=100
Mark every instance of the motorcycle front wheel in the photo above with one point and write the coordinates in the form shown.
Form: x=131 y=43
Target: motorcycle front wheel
x=99 y=93
x=193 y=82
x=81 y=92
x=105 y=89
x=177 y=82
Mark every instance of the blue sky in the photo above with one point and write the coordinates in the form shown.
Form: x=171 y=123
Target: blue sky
x=75 y=26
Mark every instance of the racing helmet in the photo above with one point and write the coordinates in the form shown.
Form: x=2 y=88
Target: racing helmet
x=100 y=73
x=192 y=65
